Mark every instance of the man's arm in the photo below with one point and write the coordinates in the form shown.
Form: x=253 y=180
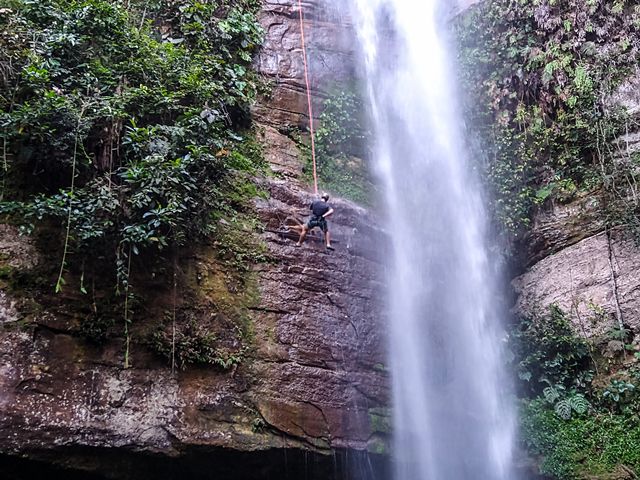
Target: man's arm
x=328 y=214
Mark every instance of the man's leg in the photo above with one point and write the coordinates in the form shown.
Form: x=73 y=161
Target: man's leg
x=303 y=234
x=327 y=240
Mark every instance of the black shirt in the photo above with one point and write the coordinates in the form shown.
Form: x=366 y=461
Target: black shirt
x=319 y=208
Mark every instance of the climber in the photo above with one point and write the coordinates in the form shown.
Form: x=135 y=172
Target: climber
x=320 y=212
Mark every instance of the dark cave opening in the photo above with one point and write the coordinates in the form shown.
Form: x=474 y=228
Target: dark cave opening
x=84 y=463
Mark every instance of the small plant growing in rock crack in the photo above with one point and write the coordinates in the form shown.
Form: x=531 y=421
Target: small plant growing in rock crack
x=617 y=394
x=191 y=341
x=259 y=425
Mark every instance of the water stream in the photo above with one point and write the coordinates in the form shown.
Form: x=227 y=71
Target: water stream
x=451 y=416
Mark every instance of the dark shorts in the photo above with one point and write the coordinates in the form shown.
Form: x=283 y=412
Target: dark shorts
x=318 y=222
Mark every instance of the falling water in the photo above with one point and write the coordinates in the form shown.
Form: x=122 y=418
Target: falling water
x=451 y=420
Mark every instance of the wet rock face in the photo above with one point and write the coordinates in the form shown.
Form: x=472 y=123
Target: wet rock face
x=319 y=328
x=315 y=380
x=314 y=376
x=330 y=44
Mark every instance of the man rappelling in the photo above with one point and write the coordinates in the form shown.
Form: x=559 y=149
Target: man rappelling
x=320 y=210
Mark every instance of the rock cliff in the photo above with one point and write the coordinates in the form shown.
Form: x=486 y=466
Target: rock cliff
x=314 y=382
x=574 y=262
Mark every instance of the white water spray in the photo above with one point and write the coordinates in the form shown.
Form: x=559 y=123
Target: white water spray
x=451 y=419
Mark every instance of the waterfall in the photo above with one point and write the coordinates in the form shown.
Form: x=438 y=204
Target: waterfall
x=452 y=419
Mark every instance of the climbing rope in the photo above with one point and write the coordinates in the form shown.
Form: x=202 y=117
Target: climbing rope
x=309 y=103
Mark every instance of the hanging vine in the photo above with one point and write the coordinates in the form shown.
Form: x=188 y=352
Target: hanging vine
x=122 y=125
x=537 y=77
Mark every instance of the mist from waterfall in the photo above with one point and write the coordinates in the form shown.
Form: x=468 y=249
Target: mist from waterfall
x=452 y=419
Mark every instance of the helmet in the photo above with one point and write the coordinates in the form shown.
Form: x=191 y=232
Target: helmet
x=325 y=197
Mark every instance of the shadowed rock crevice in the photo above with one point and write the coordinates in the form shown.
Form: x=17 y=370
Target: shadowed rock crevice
x=219 y=464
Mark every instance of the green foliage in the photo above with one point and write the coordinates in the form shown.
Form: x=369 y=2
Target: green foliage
x=538 y=77
x=582 y=447
x=565 y=404
x=95 y=328
x=259 y=425
x=342 y=128
x=152 y=116
x=127 y=125
x=617 y=333
x=235 y=246
x=193 y=344
x=565 y=407
x=549 y=354
x=537 y=74
x=342 y=144
x=581 y=428
x=619 y=394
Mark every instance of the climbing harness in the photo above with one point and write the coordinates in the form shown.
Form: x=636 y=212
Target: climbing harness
x=291 y=227
x=309 y=102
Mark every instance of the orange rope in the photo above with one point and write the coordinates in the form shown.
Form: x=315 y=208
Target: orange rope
x=309 y=103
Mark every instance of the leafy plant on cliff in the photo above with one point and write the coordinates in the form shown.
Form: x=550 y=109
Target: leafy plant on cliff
x=537 y=76
x=582 y=424
x=565 y=404
x=594 y=446
x=618 y=392
x=549 y=355
x=122 y=125
x=342 y=147
x=192 y=342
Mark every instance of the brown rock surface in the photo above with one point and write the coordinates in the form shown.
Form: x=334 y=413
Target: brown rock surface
x=312 y=379
x=16 y=252
x=329 y=42
x=282 y=154
x=319 y=334
x=558 y=226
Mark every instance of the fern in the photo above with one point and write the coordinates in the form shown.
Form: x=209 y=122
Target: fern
x=579 y=404
x=563 y=409
x=551 y=394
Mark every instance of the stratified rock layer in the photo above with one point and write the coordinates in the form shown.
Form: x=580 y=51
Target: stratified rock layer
x=329 y=41
x=316 y=371
x=592 y=281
